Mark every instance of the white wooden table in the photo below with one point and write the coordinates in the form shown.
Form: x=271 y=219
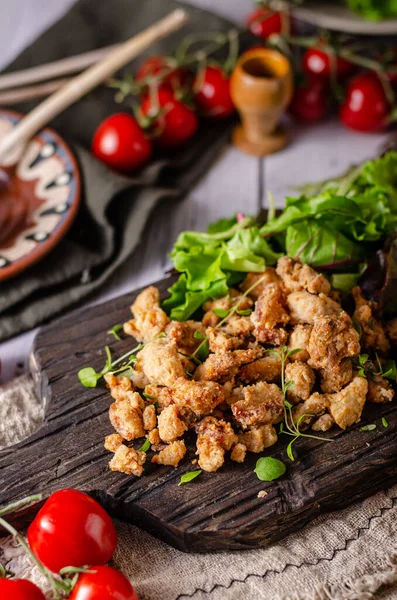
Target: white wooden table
x=235 y=182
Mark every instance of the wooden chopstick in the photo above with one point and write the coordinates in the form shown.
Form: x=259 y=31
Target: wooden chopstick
x=31 y=92
x=55 y=69
x=80 y=85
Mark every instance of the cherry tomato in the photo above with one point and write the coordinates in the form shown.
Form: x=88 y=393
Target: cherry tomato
x=121 y=144
x=319 y=63
x=104 y=583
x=174 y=122
x=263 y=22
x=213 y=98
x=309 y=103
x=72 y=529
x=366 y=107
x=19 y=589
x=177 y=78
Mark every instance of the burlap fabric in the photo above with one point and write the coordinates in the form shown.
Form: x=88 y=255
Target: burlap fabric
x=349 y=555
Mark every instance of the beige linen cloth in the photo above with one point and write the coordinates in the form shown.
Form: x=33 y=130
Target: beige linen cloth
x=348 y=555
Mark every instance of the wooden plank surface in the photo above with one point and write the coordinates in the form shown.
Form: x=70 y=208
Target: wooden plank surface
x=219 y=511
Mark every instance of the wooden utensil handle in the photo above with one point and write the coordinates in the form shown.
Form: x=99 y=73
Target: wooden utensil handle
x=86 y=81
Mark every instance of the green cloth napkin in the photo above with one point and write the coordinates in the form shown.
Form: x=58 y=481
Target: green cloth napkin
x=115 y=208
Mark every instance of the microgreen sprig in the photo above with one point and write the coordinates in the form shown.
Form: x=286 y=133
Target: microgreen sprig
x=291 y=428
x=89 y=377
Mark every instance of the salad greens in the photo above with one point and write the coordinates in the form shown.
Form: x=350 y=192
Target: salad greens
x=375 y=10
x=335 y=226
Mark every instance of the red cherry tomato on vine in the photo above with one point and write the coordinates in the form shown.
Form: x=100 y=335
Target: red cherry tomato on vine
x=263 y=22
x=72 y=529
x=213 y=98
x=121 y=144
x=177 y=78
x=19 y=589
x=104 y=583
x=319 y=63
x=174 y=122
x=366 y=107
x=310 y=102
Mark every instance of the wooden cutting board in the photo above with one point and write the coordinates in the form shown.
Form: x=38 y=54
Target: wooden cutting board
x=218 y=511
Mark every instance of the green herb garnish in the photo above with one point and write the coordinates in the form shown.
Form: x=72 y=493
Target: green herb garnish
x=145 y=446
x=199 y=336
x=268 y=468
x=385 y=422
x=187 y=477
x=369 y=427
x=89 y=377
x=114 y=331
x=149 y=397
x=221 y=312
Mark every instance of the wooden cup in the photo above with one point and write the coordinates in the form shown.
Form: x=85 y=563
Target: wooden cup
x=261 y=87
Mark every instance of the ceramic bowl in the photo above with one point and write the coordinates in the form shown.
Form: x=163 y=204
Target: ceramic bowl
x=41 y=202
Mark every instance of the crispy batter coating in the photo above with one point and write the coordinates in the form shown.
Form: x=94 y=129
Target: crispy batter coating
x=373 y=336
x=160 y=394
x=238 y=453
x=262 y=403
x=149 y=319
x=306 y=308
x=297 y=277
x=267 y=369
x=149 y=417
x=154 y=437
x=299 y=338
x=211 y=319
x=214 y=437
x=314 y=406
x=181 y=335
x=234 y=334
x=347 y=405
x=223 y=365
x=257 y=439
x=119 y=386
x=170 y=426
x=268 y=276
x=332 y=339
x=391 y=330
x=138 y=377
x=113 y=441
x=127 y=419
x=171 y=455
x=128 y=461
x=200 y=396
x=270 y=315
x=379 y=390
x=334 y=377
x=161 y=363
x=323 y=423
x=303 y=379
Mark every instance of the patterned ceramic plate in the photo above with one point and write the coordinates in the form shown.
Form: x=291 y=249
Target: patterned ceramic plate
x=40 y=203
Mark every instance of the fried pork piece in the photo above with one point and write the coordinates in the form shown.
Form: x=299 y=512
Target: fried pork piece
x=154 y=437
x=225 y=365
x=161 y=363
x=323 y=423
x=171 y=455
x=269 y=276
x=113 y=441
x=160 y=394
x=181 y=335
x=138 y=377
x=373 y=336
x=306 y=308
x=149 y=319
x=270 y=315
x=299 y=338
x=234 y=334
x=303 y=379
x=213 y=439
x=200 y=396
x=126 y=418
x=379 y=390
x=170 y=426
x=332 y=339
x=257 y=439
x=119 y=386
x=347 y=405
x=211 y=319
x=238 y=453
x=149 y=417
x=267 y=369
x=391 y=329
x=315 y=405
x=297 y=277
x=335 y=377
x=262 y=403
x=128 y=461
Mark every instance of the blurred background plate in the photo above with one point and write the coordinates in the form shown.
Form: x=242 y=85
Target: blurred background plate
x=40 y=203
x=332 y=15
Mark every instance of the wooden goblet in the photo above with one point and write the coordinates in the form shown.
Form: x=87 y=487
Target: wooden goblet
x=261 y=87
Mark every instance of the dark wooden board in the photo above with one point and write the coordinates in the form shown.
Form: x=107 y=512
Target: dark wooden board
x=219 y=511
